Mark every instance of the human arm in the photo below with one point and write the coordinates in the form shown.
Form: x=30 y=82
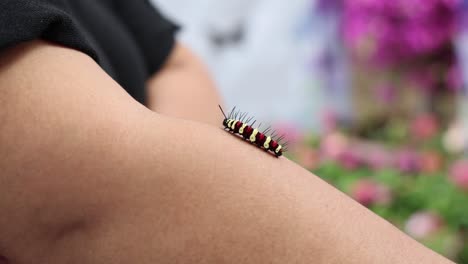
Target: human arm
x=184 y=88
x=90 y=176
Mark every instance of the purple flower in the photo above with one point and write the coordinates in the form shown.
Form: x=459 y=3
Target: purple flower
x=400 y=29
x=454 y=78
x=385 y=93
x=408 y=161
x=329 y=5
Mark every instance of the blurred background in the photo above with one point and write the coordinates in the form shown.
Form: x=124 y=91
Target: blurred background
x=371 y=94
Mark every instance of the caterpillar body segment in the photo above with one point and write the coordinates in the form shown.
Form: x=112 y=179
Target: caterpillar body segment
x=236 y=123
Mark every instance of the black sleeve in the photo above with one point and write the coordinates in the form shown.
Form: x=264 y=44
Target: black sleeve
x=25 y=20
x=154 y=33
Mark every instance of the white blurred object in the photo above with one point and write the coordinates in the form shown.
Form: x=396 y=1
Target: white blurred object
x=455 y=140
x=261 y=53
x=460 y=130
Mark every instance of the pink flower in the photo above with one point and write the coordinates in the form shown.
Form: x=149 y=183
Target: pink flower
x=459 y=174
x=291 y=133
x=329 y=121
x=423 y=224
x=333 y=145
x=431 y=162
x=425 y=126
x=309 y=158
x=378 y=159
x=349 y=159
x=368 y=192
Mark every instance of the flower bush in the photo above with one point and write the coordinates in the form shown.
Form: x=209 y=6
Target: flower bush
x=395 y=155
x=418 y=185
x=399 y=30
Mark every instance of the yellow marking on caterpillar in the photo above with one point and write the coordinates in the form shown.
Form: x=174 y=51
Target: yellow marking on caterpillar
x=253 y=137
x=241 y=130
x=267 y=143
x=233 y=127
x=229 y=122
x=278 y=149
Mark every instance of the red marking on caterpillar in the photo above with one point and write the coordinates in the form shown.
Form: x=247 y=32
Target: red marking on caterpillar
x=238 y=123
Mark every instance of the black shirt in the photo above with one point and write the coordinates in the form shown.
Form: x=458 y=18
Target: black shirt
x=129 y=39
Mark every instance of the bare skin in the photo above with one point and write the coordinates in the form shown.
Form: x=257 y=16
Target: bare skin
x=184 y=89
x=90 y=176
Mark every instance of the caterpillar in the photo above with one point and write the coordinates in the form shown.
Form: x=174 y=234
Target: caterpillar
x=238 y=123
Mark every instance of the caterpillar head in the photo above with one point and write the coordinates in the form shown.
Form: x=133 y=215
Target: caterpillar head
x=225 y=122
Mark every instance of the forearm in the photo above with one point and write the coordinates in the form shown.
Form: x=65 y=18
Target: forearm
x=184 y=89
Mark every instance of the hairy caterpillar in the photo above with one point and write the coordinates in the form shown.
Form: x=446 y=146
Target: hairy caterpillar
x=238 y=123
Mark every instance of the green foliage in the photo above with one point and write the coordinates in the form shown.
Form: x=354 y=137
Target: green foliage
x=411 y=194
